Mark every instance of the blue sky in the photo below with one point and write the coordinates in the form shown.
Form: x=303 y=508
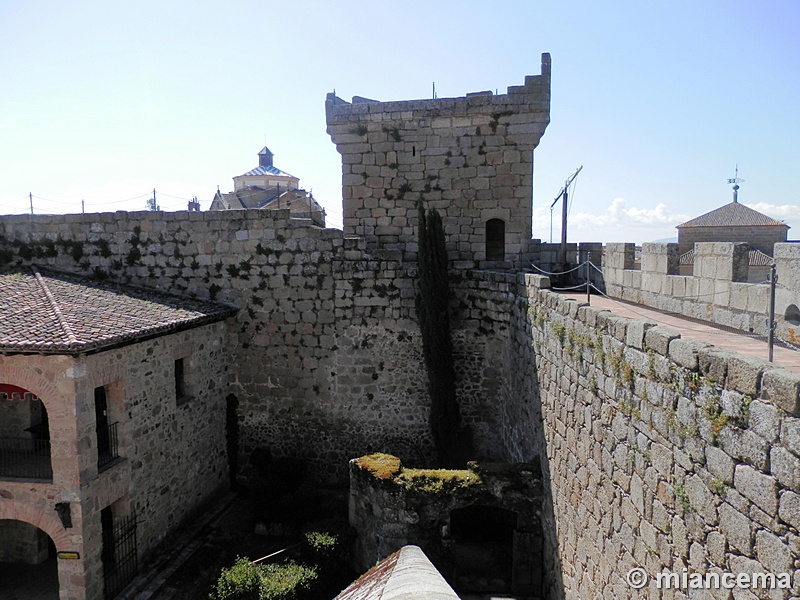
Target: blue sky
x=103 y=101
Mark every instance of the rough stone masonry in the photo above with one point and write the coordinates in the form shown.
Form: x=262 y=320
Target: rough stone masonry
x=470 y=158
x=654 y=453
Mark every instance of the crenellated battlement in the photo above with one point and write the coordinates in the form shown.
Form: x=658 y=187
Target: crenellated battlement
x=469 y=157
x=720 y=289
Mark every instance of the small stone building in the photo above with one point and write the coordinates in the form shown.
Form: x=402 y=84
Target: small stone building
x=112 y=423
x=733 y=222
x=480 y=527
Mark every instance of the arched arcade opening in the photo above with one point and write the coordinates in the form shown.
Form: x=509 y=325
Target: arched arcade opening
x=28 y=563
x=24 y=435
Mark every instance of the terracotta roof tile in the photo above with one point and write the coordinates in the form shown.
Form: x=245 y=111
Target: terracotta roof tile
x=53 y=312
x=732 y=215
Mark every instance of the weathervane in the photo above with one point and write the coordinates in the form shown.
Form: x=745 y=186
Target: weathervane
x=736 y=181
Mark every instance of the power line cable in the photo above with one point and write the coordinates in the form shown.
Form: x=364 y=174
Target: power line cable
x=558 y=273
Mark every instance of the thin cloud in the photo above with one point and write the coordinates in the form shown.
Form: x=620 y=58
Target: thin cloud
x=617 y=214
x=777 y=211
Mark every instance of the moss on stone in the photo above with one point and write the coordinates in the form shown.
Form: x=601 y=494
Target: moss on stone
x=435 y=481
x=380 y=466
x=389 y=468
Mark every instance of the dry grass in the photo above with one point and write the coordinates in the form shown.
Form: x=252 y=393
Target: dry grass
x=389 y=468
x=380 y=466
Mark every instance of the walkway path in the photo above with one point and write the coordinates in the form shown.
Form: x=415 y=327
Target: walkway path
x=692 y=330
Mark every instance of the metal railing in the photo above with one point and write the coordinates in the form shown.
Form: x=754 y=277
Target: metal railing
x=25 y=458
x=107 y=446
x=120 y=556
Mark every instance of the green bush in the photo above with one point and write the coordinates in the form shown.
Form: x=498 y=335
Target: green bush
x=239 y=582
x=245 y=581
x=287 y=581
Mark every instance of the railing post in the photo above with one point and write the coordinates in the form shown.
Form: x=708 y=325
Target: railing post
x=588 y=287
x=773 y=280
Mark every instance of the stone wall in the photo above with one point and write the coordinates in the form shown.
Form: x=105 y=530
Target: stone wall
x=470 y=158
x=761 y=237
x=657 y=452
x=325 y=350
x=717 y=291
x=391 y=506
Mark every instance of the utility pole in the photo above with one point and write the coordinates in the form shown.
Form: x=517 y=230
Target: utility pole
x=151 y=203
x=83 y=207
x=562 y=254
x=30 y=197
x=773 y=281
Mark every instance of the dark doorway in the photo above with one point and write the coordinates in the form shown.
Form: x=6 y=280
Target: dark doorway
x=484 y=548
x=495 y=239
x=28 y=565
x=119 y=555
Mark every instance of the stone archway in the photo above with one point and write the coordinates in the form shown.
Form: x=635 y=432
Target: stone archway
x=24 y=435
x=37 y=518
x=39 y=386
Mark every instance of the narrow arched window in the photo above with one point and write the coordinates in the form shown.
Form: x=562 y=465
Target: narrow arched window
x=495 y=239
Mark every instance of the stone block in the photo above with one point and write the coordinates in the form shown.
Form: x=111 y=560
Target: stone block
x=774 y=554
x=744 y=373
x=659 y=338
x=790 y=435
x=745 y=445
x=759 y=488
x=686 y=352
x=719 y=464
x=785 y=467
x=733 y=404
x=736 y=528
x=782 y=388
x=789 y=508
x=764 y=420
x=701 y=499
x=648 y=535
x=713 y=365
x=716 y=547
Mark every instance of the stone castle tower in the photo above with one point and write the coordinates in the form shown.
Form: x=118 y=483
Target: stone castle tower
x=470 y=157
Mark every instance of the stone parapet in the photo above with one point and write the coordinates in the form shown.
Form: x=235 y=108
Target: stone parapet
x=657 y=452
x=719 y=290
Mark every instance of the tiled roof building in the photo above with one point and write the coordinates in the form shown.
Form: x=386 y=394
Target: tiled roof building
x=51 y=312
x=109 y=395
x=733 y=222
